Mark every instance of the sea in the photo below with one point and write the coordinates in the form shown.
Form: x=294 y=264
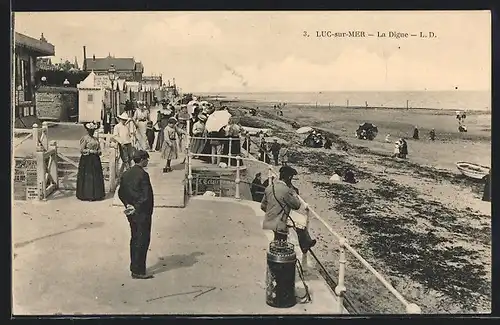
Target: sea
x=449 y=100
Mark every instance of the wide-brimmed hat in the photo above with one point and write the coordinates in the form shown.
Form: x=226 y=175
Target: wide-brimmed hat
x=202 y=117
x=123 y=116
x=91 y=125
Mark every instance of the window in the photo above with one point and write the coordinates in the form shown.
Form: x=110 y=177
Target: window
x=90 y=98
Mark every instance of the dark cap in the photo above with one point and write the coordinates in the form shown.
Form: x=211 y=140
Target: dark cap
x=288 y=171
x=140 y=155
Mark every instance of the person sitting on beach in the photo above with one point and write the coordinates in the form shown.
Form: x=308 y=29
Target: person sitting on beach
x=432 y=135
x=415 y=133
x=403 y=149
x=328 y=143
x=275 y=151
x=388 y=138
x=397 y=149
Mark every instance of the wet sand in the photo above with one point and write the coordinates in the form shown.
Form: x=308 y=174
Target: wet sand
x=418 y=221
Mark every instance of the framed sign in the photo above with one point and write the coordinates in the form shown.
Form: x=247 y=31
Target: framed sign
x=207 y=182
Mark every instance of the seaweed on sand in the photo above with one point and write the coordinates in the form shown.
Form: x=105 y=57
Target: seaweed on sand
x=422 y=254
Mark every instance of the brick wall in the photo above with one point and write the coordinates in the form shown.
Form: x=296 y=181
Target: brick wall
x=57 y=103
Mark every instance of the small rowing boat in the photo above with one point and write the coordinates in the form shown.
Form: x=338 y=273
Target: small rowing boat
x=472 y=170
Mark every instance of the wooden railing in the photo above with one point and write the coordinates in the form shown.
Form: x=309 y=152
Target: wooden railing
x=340 y=289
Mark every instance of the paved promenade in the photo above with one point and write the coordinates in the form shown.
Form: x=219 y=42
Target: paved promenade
x=72 y=257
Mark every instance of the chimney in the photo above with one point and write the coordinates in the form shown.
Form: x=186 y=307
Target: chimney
x=84 y=58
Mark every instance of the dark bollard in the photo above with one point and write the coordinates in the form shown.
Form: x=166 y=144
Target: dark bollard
x=280 y=277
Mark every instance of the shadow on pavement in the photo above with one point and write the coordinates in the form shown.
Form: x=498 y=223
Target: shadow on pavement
x=172 y=262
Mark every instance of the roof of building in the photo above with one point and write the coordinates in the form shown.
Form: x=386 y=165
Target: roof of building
x=38 y=47
x=120 y=64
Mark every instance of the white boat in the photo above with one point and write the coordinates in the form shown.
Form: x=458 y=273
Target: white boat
x=472 y=170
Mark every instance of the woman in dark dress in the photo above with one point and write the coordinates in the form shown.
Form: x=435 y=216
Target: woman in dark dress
x=487 y=187
x=162 y=121
x=90 y=179
x=233 y=132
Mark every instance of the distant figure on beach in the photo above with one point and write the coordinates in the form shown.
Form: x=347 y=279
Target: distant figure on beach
x=90 y=179
x=415 y=133
x=257 y=188
x=403 y=149
x=328 y=143
x=388 y=138
x=397 y=146
x=432 y=135
x=136 y=194
x=263 y=151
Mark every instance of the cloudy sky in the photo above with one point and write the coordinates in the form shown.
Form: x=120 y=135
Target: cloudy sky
x=266 y=51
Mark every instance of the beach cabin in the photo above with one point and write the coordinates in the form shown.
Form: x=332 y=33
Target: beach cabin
x=90 y=99
x=25 y=52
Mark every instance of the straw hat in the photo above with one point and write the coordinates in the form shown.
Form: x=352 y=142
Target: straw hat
x=172 y=120
x=91 y=125
x=202 y=117
x=123 y=116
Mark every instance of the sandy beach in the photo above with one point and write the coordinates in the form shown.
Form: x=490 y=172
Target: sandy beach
x=417 y=221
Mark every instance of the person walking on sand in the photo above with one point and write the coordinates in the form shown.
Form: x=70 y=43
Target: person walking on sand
x=397 y=148
x=121 y=135
x=136 y=194
x=280 y=197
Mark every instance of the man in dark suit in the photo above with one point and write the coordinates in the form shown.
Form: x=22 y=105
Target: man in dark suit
x=107 y=119
x=136 y=193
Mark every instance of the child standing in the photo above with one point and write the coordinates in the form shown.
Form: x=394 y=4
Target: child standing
x=150 y=134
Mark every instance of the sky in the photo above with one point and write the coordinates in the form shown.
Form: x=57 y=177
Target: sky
x=267 y=51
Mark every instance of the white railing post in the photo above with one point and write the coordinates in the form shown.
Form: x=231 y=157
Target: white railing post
x=112 y=166
x=40 y=172
x=45 y=132
x=413 y=309
x=229 y=153
x=36 y=136
x=305 y=264
x=340 y=289
x=190 y=174
x=54 y=166
x=237 y=180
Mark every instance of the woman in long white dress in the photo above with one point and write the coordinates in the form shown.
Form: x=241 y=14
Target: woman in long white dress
x=141 y=118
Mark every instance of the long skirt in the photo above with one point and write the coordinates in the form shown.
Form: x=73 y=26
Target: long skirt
x=169 y=152
x=197 y=146
x=90 y=179
x=159 y=140
x=235 y=150
x=142 y=139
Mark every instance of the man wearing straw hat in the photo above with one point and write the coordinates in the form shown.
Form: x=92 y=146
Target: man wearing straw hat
x=121 y=134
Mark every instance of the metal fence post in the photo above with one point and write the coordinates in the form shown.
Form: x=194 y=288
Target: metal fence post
x=340 y=289
x=230 y=150
x=305 y=264
x=237 y=180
